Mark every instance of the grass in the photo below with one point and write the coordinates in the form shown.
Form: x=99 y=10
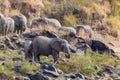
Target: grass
x=85 y=64
x=28 y=68
x=70 y=20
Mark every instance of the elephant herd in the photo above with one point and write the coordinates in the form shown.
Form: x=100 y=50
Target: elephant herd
x=49 y=42
x=16 y=23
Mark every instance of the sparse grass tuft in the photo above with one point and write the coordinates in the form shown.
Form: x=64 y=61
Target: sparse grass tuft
x=28 y=68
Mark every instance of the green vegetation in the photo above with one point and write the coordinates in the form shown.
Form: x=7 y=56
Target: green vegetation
x=85 y=63
x=28 y=68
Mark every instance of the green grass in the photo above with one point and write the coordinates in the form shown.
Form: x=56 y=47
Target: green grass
x=85 y=63
x=28 y=68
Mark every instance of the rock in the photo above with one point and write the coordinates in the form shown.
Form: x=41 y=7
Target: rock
x=59 y=71
x=21 y=78
x=109 y=79
x=38 y=76
x=117 y=79
x=50 y=70
x=80 y=76
x=72 y=76
x=101 y=73
x=113 y=75
x=16 y=68
x=68 y=79
x=110 y=70
x=2 y=58
x=16 y=59
x=52 y=73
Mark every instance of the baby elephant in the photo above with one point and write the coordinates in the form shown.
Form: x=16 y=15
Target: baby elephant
x=48 y=46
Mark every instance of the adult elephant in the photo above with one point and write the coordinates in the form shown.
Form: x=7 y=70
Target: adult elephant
x=45 y=21
x=48 y=46
x=6 y=25
x=84 y=31
x=94 y=46
x=67 y=31
x=10 y=25
x=20 y=23
x=101 y=47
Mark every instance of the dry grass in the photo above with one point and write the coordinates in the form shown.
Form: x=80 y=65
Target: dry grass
x=70 y=20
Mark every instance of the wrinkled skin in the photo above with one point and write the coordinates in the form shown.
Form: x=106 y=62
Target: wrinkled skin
x=2 y=24
x=9 y=25
x=45 y=21
x=20 y=23
x=48 y=46
x=87 y=29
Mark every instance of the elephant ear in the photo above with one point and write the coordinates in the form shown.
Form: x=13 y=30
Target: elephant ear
x=56 y=44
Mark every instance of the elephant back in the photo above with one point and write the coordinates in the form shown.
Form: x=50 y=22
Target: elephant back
x=66 y=31
x=53 y=22
x=84 y=31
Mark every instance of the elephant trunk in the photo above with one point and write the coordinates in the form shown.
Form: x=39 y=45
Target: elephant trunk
x=28 y=54
x=67 y=52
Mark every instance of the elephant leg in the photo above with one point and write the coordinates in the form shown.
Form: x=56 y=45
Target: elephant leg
x=36 y=57
x=3 y=30
x=55 y=56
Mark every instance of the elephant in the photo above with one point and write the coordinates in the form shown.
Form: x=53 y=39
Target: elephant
x=68 y=33
x=87 y=29
x=42 y=21
x=2 y=24
x=94 y=46
x=20 y=23
x=49 y=34
x=6 y=25
x=27 y=43
x=81 y=45
x=48 y=46
x=10 y=25
x=99 y=46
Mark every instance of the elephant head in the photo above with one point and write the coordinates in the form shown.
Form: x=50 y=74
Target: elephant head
x=61 y=45
x=42 y=21
x=28 y=49
x=81 y=44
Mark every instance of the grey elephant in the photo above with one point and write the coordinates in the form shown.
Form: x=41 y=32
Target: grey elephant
x=20 y=23
x=48 y=46
x=2 y=24
x=27 y=43
x=45 y=21
x=10 y=25
x=86 y=28
x=67 y=31
x=6 y=25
